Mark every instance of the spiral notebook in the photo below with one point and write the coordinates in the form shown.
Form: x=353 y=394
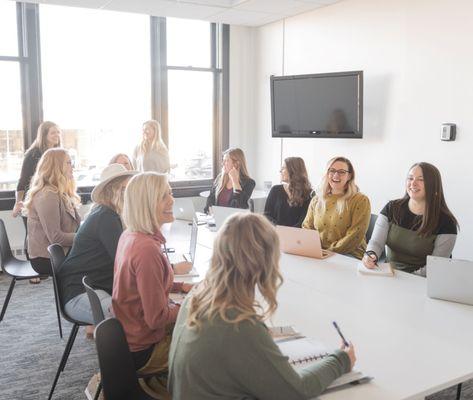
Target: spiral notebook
x=304 y=351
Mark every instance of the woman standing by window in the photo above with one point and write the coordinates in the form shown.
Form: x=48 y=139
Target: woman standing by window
x=233 y=186
x=51 y=204
x=151 y=154
x=339 y=211
x=287 y=203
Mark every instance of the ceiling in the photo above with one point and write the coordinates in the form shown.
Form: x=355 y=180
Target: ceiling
x=233 y=12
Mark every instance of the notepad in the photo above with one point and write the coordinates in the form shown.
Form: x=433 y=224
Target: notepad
x=283 y=333
x=383 y=269
x=303 y=351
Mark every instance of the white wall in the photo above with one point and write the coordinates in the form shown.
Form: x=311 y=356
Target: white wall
x=417 y=61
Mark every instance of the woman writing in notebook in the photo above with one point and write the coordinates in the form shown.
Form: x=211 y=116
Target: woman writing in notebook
x=220 y=336
x=339 y=211
x=143 y=277
x=287 y=203
x=415 y=226
x=233 y=186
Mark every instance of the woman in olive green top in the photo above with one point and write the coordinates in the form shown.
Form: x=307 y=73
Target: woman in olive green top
x=220 y=347
x=339 y=211
x=415 y=226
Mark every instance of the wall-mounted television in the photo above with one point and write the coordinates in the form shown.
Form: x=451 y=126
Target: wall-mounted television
x=328 y=105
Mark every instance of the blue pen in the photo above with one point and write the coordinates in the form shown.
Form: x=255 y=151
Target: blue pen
x=341 y=334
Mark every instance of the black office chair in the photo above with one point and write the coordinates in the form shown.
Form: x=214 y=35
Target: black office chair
x=57 y=257
x=19 y=270
x=94 y=301
x=369 y=232
x=117 y=369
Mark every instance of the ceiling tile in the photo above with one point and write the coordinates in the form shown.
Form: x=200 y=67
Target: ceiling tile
x=249 y=18
x=268 y=6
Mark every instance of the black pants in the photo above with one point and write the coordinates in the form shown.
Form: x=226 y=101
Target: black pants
x=41 y=265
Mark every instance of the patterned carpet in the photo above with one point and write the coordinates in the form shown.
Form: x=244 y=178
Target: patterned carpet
x=30 y=349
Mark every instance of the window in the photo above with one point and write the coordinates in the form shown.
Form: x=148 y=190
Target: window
x=96 y=82
x=192 y=74
x=11 y=124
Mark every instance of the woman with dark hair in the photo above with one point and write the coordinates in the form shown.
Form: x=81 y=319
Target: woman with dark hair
x=415 y=226
x=233 y=186
x=339 y=211
x=287 y=203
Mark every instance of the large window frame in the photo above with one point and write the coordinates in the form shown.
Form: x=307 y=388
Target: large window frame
x=29 y=59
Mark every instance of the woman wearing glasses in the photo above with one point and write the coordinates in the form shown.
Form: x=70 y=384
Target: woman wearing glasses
x=287 y=203
x=339 y=211
x=415 y=226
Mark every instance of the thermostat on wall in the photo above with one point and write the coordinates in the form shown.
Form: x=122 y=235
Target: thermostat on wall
x=448 y=132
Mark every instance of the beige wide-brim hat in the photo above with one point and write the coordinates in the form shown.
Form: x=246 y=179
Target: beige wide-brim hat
x=109 y=173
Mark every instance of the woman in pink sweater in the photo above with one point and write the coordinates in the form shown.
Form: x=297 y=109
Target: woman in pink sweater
x=143 y=277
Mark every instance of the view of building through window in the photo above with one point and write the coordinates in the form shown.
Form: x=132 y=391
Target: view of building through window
x=11 y=131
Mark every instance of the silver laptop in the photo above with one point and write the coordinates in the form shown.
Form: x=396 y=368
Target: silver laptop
x=220 y=214
x=184 y=209
x=301 y=242
x=449 y=279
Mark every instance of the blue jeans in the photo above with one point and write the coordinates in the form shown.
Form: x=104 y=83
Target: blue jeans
x=79 y=307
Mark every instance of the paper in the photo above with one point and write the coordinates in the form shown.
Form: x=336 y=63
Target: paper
x=383 y=269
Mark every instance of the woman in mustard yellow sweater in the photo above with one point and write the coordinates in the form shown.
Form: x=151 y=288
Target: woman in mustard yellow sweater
x=339 y=211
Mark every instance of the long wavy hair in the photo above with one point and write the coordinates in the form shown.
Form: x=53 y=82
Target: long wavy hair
x=324 y=188
x=299 y=186
x=156 y=143
x=50 y=176
x=41 y=141
x=435 y=204
x=239 y=160
x=245 y=258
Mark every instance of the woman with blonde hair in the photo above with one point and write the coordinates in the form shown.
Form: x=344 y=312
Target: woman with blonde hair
x=287 y=203
x=151 y=154
x=233 y=186
x=339 y=211
x=220 y=335
x=48 y=136
x=123 y=159
x=51 y=205
x=95 y=245
x=143 y=277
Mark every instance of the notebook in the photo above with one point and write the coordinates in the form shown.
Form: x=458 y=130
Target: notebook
x=383 y=269
x=303 y=352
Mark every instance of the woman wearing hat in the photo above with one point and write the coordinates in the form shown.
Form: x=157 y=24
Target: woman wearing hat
x=95 y=244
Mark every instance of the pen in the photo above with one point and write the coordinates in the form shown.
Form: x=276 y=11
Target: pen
x=341 y=334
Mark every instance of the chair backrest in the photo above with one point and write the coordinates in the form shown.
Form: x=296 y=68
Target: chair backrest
x=369 y=232
x=94 y=301
x=57 y=258
x=117 y=369
x=5 y=250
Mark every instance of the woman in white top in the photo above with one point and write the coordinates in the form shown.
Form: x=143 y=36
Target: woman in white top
x=151 y=154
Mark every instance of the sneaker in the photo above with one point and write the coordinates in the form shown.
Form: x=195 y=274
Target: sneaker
x=92 y=387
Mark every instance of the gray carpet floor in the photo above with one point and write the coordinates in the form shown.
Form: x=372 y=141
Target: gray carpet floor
x=30 y=349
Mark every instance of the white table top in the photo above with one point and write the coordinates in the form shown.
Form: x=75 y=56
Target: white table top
x=412 y=345
x=257 y=194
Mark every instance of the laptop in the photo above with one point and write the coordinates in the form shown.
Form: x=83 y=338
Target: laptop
x=449 y=279
x=189 y=257
x=301 y=242
x=184 y=209
x=220 y=214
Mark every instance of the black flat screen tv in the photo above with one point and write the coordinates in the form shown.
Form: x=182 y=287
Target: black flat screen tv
x=318 y=106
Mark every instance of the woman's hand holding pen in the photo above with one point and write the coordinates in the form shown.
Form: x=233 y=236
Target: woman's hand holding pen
x=370 y=260
x=350 y=350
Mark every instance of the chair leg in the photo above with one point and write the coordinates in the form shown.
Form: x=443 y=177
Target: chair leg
x=7 y=299
x=56 y=300
x=459 y=391
x=64 y=358
x=99 y=389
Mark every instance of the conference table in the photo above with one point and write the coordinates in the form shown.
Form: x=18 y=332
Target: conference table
x=411 y=345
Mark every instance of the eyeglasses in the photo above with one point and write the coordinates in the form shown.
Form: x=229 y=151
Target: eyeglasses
x=340 y=172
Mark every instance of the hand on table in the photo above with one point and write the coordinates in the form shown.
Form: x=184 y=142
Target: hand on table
x=182 y=267
x=350 y=350
x=370 y=261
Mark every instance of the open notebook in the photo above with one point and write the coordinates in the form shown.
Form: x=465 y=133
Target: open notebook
x=383 y=269
x=303 y=351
